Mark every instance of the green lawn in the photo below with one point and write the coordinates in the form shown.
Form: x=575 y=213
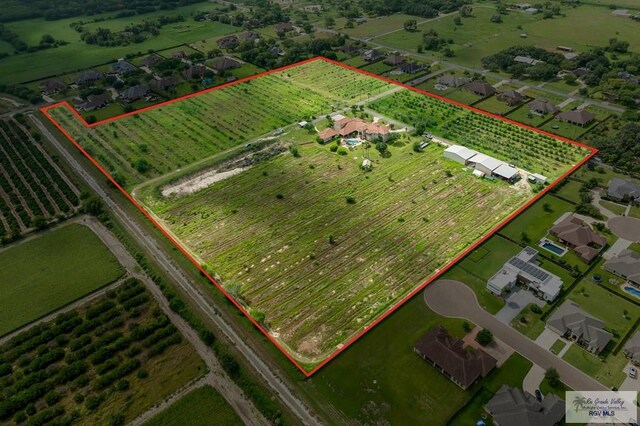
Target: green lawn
x=381 y=379
x=559 y=390
x=606 y=306
x=570 y=190
x=486 y=299
x=203 y=406
x=634 y=211
x=567 y=130
x=536 y=220
x=377 y=67
x=614 y=207
x=557 y=346
x=511 y=373
x=533 y=326
x=524 y=115
x=43 y=274
x=495 y=106
x=610 y=373
x=561 y=86
x=379 y=25
x=462 y=95
x=489 y=257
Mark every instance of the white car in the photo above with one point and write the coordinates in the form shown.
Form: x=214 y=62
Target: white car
x=633 y=373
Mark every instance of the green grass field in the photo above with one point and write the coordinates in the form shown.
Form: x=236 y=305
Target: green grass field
x=203 y=406
x=614 y=207
x=557 y=346
x=610 y=373
x=537 y=219
x=77 y=54
x=45 y=273
x=570 y=190
x=495 y=106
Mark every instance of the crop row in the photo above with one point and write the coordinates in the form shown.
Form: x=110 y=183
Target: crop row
x=31 y=186
x=52 y=361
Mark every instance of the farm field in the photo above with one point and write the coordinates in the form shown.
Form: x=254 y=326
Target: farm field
x=162 y=139
x=525 y=148
x=103 y=363
x=33 y=189
x=49 y=271
x=315 y=278
x=203 y=406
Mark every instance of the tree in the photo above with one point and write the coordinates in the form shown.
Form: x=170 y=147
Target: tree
x=331 y=239
x=457 y=20
x=92 y=205
x=484 y=337
x=416 y=146
x=525 y=237
x=553 y=377
x=497 y=19
x=382 y=148
x=466 y=326
x=465 y=11
x=569 y=78
x=329 y=22
x=411 y=25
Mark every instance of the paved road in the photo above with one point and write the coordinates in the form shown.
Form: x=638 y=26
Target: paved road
x=454 y=299
x=149 y=242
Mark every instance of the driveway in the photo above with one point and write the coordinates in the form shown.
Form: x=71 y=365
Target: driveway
x=516 y=302
x=616 y=248
x=546 y=339
x=630 y=384
x=454 y=299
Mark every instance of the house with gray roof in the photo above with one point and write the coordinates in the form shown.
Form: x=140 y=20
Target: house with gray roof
x=576 y=234
x=484 y=163
x=451 y=80
x=542 y=106
x=511 y=97
x=459 y=154
x=631 y=349
x=481 y=88
x=121 y=67
x=578 y=117
x=623 y=189
x=572 y=323
x=134 y=93
x=514 y=407
x=523 y=269
x=626 y=265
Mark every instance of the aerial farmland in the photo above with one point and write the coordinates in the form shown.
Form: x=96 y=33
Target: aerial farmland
x=316 y=239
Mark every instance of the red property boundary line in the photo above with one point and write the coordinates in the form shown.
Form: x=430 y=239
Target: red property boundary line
x=45 y=111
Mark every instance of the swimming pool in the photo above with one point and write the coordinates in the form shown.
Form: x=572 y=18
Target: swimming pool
x=632 y=290
x=552 y=247
x=352 y=142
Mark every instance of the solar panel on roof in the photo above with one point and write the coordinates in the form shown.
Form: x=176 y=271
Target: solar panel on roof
x=529 y=268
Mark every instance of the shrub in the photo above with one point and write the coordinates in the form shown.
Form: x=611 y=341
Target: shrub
x=342 y=151
x=536 y=309
x=484 y=337
x=350 y=199
x=333 y=147
x=553 y=377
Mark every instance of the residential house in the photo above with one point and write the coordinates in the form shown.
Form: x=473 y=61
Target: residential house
x=448 y=355
x=524 y=270
x=459 y=154
x=514 y=407
x=579 y=117
x=277 y=51
x=151 y=61
x=164 y=83
x=356 y=127
x=511 y=97
x=52 y=86
x=584 y=241
x=622 y=190
x=249 y=35
x=451 y=80
x=527 y=60
x=581 y=72
x=89 y=78
x=195 y=71
x=394 y=59
x=412 y=67
x=350 y=49
x=572 y=323
x=626 y=264
x=629 y=78
x=481 y=88
x=484 y=163
x=134 y=93
x=228 y=42
x=315 y=8
x=223 y=63
x=121 y=67
x=93 y=102
x=631 y=349
x=283 y=27
x=543 y=106
x=327 y=134
x=372 y=55
x=179 y=54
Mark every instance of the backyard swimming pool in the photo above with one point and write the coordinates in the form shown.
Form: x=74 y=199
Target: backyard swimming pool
x=632 y=290
x=352 y=142
x=552 y=247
